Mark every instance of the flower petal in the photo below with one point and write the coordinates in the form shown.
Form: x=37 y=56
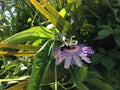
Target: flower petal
x=86 y=59
x=68 y=59
x=81 y=54
x=77 y=59
x=59 y=60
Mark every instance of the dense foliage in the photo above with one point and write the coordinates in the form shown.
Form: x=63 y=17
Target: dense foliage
x=33 y=29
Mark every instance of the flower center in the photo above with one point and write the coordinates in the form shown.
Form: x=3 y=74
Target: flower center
x=71 y=48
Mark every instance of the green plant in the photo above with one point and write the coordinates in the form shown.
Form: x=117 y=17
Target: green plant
x=93 y=22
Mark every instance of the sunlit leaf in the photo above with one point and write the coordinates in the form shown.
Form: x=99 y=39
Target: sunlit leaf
x=69 y=1
x=15 y=79
x=63 y=12
x=17 y=53
x=52 y=15
x=31 y=34
x=20 y=46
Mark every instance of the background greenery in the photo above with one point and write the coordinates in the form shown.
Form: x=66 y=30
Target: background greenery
x=25 y=42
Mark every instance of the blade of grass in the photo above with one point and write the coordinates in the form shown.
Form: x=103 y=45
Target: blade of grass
x=20 y=46
x=17 y=54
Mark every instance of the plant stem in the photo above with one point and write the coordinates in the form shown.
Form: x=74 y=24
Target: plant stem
x=55 y=76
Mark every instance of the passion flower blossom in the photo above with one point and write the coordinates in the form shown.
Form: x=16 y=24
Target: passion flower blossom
x=74 y=54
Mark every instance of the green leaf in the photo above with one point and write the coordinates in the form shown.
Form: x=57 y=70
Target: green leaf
x=37 y=42
x=76 y=80
x=108 y=63
x=41 y=64
x=52 y=15
x=14 y=79
x=99 y=84
x=117 y=40
x=70 y=7
x=82 y=74
x=96 y=58
x=102 y=50
x=20 y=46
x=11 y=66
x=93 y=74
x=81 y=86
x=114 y=54
x=78 y=3
x=117 y=35
x=103 y=34
x=117 y=31
x=30 y=35
x=65 y=10
x=17 y=69
x=116 y=11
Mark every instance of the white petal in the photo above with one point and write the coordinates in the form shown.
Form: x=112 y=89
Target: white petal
x=86 y=59
x=77 y=60
x=83 y=55
x=68 y=59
